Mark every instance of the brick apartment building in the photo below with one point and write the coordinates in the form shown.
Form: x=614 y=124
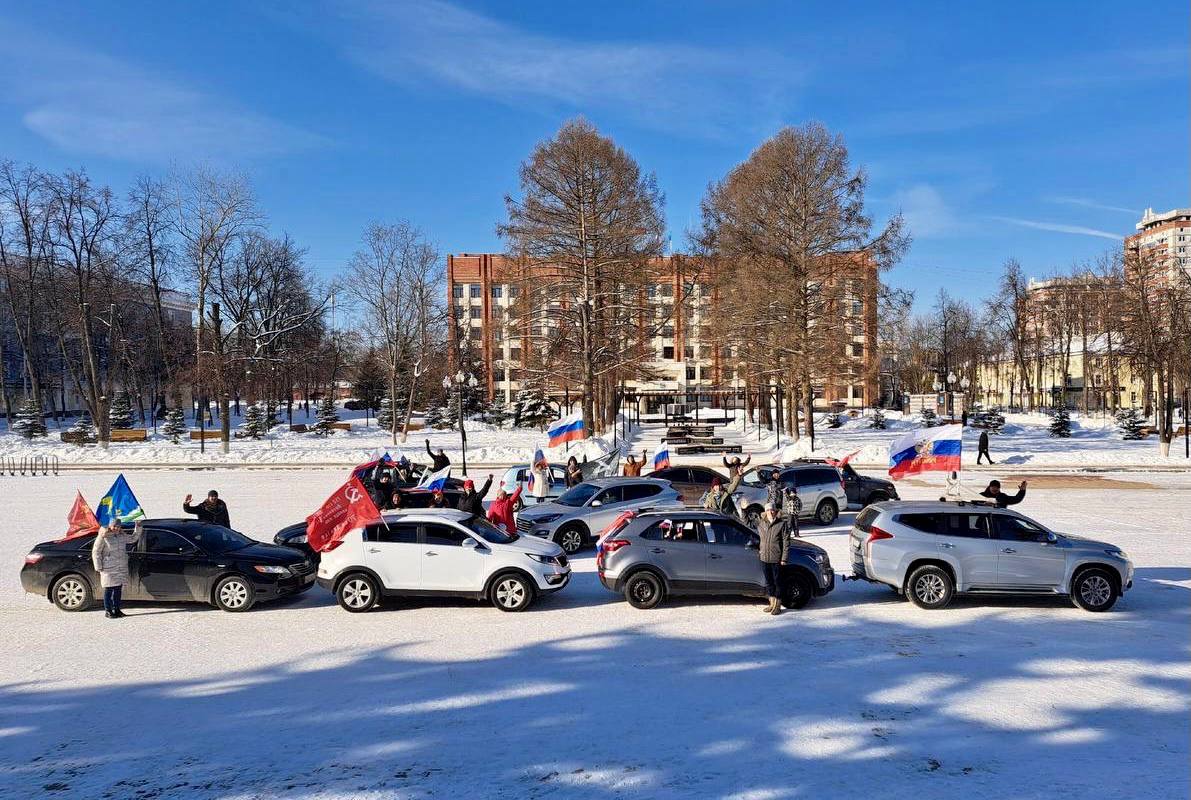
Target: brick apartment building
x=1166 y=236
x=687 y=357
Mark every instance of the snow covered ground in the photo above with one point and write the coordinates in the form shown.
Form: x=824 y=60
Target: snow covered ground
x=1095 y=443
x=859 y=695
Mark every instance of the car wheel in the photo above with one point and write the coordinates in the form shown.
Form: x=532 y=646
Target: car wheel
x=644 y=590
x=752 y=517
x=1094 y=590
x=234 y=593
x=570 y=539
x=930 y=587
x=511 y=592
x=357 y=593
x=826 y=513
x=796 y=591
x=72 y=593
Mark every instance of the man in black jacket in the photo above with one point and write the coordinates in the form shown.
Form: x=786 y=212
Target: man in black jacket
x=983 y=447
x=993 y=492
x=212 y=510
x=439 y=459
x=472 y=501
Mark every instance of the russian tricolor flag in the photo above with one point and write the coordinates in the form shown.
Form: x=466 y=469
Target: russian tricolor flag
x=539 y=459
x=661 y=459
x=567 y=429
x=926 y=450
x=435 y=480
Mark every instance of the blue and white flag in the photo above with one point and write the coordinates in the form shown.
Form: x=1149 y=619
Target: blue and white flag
x=435 y=480
x=119 y=503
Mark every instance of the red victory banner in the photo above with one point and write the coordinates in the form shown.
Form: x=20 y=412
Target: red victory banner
x=349 y=507
x=81 y=519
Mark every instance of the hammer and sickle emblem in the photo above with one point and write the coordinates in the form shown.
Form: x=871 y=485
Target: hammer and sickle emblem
x=352 y=494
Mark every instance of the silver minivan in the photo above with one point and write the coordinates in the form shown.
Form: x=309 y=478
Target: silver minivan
x=930 y=551
x=576 y=518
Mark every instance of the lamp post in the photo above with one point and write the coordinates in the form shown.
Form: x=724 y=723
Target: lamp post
x=964 y=383
x=462 y=380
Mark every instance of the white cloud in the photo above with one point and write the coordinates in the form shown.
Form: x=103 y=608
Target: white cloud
x=1060 y=228
x=926 y=213
x=89 y=103
x=1085 y=203
x=669 y=86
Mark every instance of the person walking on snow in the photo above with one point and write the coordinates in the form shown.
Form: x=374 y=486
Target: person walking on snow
x=472 y=501
x=439 y=459
x=983 y=447
x=500 y=513
x=994 y=493
x=212 y=510
x=632 y=467
x=773 y=529
x=109 y=556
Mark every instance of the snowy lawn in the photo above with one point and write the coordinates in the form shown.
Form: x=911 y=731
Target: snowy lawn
x=859 y=695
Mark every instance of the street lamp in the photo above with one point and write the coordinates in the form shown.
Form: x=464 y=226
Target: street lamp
x=462 y=380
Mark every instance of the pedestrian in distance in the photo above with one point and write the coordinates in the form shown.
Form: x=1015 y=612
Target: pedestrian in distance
x=472 y=501
x=994 y=493
x=500 y=511
x=438 y=460
x=109 y=556
x=736 y=466
x=983 y=447
x=212 y=510
x=574 y=472
x=633 y=467
x=773 y=530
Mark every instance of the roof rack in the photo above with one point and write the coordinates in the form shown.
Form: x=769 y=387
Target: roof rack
x=980 y=503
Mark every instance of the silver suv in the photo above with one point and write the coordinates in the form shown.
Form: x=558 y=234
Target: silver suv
x=576 y=518
x=659 y=553
x=930 y=551
x=819 y=486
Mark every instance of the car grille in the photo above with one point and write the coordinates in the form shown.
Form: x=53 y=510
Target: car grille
x=562 y=561
x=303 y=568
x=524 y=524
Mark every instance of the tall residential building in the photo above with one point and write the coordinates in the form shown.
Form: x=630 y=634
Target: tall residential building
x=1166 y=235
x=686 y=356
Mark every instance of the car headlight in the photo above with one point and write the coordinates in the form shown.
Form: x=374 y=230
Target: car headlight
x=271 y=569
x=298 y=539
x=820 y=558
x=1116 y=551
x=541 y=559
x=544 y=519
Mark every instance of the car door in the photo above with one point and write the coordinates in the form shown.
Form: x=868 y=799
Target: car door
x=394 y=552
x=732 y=564
x=163 y=565
x=966 y=538
x=452 y=561
x=1027 y=559
x=603 y=507
x=677 y=546
x=852 y=484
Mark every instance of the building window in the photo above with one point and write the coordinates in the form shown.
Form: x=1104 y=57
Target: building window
x=498 y=334
x=667 y=290
x=651 y=291
x=474 y=292
x=858 y=392
x=514 y=354
x=727 y=373
x=668 y=332
x=497 y=291
x=688 y=351
x=857 y=308
x=498 y=374
x=475 y=312
x=668 y=353
x=457 y=291
x=857 y=350
x=690 y=373
x=458 y=312
x=514 y=291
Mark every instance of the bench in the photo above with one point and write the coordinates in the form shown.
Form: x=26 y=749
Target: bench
x=704 y=449
x=128 y=435
x=299 y=428
x=341 y=426
x=211 y=434
x=74 y=437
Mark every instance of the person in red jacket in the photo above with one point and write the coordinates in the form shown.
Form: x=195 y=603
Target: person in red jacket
x=500 y=511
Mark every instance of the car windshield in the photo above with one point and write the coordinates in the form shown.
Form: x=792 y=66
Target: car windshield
x=216 y=539
x=489 y=532
x=578 y=495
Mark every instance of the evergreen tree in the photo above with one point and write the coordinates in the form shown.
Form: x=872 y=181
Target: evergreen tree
x=441 y=417
x=1060 y=424
x=1130 y=423
x=120 y=413
x=495 y=414
x=991 y=420
x=531 y=409
x=28 y=421
x=327 y=416
x=878 y=420
x=384 y=414
x=270 y=416
x=929 y=418
x=175 y=424
x=371 y=384
x=255 y=425
x=83 y=426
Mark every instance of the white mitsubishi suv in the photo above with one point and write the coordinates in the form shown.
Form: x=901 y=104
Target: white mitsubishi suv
x=441 y=552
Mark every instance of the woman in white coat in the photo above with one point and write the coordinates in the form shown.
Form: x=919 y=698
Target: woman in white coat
x=541 y=481
x=109 y=556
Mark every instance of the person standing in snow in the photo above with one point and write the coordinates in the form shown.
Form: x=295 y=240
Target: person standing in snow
x=500 y=512
x=773 y=529
x=438 y=460
x=983 y=446
x=541 y=480
x=472 y=501
x=212 y=510
x=109 y=556
x=994 y=493
x=632 y=467
x=574 y=472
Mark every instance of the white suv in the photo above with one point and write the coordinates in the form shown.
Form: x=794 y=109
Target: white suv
x=441 y=552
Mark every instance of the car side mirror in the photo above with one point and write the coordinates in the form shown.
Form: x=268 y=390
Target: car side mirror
x=1051 y=538
x=596 y=503
x=470 y=542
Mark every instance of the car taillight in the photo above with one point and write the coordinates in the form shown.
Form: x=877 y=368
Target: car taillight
x=33 y=558
x=875 y=534
x=612 y=545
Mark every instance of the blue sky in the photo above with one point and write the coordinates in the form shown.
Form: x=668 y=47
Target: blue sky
x=1033 y=130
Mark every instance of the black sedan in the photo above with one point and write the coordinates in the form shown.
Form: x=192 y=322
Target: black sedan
x=175 y=560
